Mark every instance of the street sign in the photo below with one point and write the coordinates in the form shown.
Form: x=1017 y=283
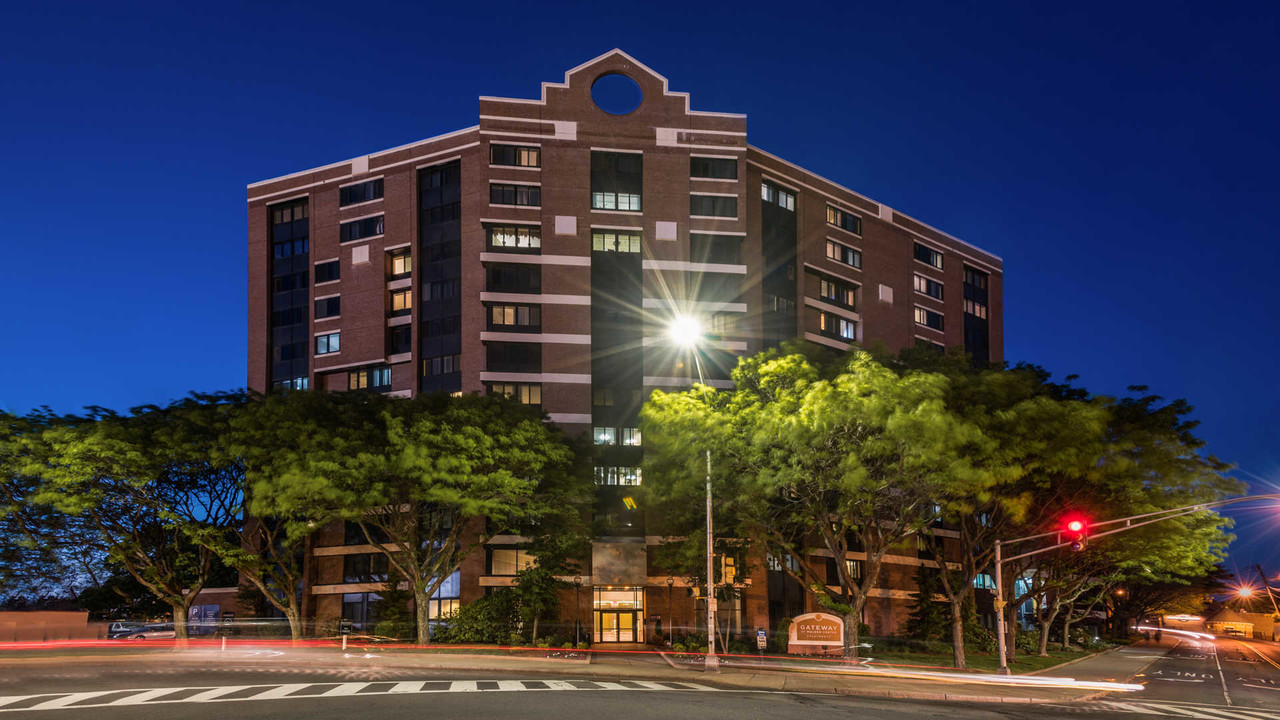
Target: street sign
x=762 y=639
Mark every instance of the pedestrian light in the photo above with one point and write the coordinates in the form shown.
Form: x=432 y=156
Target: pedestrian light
x=1245 y=592
x=685 y=331
x=1077 y=532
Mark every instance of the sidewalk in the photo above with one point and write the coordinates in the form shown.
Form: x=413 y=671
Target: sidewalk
x=1061 y=684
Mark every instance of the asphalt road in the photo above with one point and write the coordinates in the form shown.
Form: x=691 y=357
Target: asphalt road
x=145 y=691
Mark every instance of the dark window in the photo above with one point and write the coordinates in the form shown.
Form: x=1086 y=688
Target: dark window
x=513 y=357
x=928 y=286
x=513 y=278
x=844 y=220
x=514 y=238
x=360 y=192
x=936 y=346
x=713 y=205
x=370 y=567
x=929 y=318
x=617 y=181
x=844 y=254
x=328 y=307
x=515 y=318
x=352 y=534
x=508 y=194
x=515 y=155
x=437 y=327
x=328 y=271
x=399 y=340
x=722 y=249
x=360 y=229
x=440 y=289
x=975 y=278
x=928 y=255
x=290 y=282
x=289 y=316
x=718 y=168
x=442 y=365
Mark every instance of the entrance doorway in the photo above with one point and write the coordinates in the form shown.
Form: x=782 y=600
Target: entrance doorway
x=616 y=626
x=618 y=613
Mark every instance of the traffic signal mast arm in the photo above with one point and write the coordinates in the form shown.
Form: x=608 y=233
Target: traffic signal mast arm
x=1154 y=517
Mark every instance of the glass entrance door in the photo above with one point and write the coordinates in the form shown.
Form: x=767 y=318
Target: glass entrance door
x=616 y=626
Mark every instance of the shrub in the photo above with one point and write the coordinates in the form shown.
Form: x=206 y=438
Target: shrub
x=491 y=619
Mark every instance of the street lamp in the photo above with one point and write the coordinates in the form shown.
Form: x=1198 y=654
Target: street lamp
x=577 y=613
x=685 y=331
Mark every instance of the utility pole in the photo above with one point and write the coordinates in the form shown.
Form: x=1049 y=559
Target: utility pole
x=1267 y=585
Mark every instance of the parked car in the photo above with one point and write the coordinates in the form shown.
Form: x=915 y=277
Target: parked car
x=123 y=627
x=160 y=631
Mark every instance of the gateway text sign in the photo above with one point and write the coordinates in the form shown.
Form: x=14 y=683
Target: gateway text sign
x=816 y=633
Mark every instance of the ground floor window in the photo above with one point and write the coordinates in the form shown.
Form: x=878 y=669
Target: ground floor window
x=361 y=609
x=445 y=600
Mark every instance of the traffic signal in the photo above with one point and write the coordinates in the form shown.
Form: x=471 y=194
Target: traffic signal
x=1077 y=531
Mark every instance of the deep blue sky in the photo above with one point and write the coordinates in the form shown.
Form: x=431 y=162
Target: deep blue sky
x=1121 y=158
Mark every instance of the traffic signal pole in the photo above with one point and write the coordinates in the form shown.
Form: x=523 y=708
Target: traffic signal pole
x=1129 y=524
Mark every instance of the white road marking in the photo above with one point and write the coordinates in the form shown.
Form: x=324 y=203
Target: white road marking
x=157 y=696
x=1191 y=710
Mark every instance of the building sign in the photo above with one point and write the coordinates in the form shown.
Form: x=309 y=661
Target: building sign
x=816 y=633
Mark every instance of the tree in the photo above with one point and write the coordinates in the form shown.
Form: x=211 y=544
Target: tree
x=847 y=456
x=928 y=619
x=428 y=480
x=141 y=482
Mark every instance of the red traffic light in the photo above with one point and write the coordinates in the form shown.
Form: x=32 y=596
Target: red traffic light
x=1075 y=525
x=1077 y=531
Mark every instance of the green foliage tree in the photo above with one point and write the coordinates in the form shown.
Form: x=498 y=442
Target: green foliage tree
x=429 y=480
x=142 y=482
x=845 y=455
x=928 y=619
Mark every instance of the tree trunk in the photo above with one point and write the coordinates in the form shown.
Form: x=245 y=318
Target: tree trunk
x=957 y=633
x=1011 y=632
x=534 y=636
x=295 y=625
x=180 y=630
x=421 y=611
x=1045 y=624
x=1066 y=633
x=852 y=629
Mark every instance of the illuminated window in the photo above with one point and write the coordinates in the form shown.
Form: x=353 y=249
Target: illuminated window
x=520 y=318
x=776 y=195
x=928 y=255
x=927 y=286
x=604 y=435
x=928 y=318
x=837 y=292
x=514 y=237
x=614 y=241
x=617 y=475
x=375 y=378
x=844 y=220
x=629 y=437
x=844 y=254
x=838 y=327
x=442 y=365
x=616 y=181
x=975 y=308
x=509 y=561
x=401 y=264
x=523 y=393
x=515 y=155
x=401 y=302
x=328 y=344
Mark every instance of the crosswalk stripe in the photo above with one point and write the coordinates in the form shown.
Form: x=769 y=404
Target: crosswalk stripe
x=345 y=689
x=214 y=693
x=142 y=697
x=279 y=691
x=1128 y=707
x=1201 y=712
x=68 y=699
x=232 y=693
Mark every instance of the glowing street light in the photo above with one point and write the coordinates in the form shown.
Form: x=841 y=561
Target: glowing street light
x=1245 y=592
x=685 y=331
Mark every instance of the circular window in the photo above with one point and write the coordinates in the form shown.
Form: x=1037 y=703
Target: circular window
x=616 y=94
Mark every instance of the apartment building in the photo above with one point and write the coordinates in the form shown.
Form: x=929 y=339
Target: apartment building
x=541 y=254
